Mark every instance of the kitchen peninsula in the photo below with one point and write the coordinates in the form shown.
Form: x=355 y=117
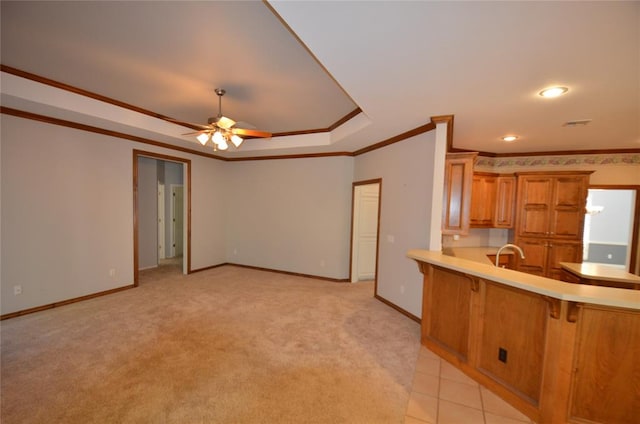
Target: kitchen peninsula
x=559 y=352
x=599 y=275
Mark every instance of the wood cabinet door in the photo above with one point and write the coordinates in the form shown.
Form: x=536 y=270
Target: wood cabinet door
x=561 y=251
x=606 y=374
x=534 y=194
x=543 y=256
x=458 y=178
x=535 y=256
x=447 y=298
x=513 y=324
x=505 y=202
x=483 y=200
x=568 y=207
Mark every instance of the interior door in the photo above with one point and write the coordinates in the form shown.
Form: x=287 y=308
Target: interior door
x=177 y=206
x=365 y=232
x=161 y=231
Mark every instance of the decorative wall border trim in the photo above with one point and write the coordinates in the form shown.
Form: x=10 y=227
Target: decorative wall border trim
x=559 y=160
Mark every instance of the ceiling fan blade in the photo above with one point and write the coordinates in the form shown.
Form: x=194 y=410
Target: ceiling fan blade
x=198 y=132
x=251 y=133
x=188 y=124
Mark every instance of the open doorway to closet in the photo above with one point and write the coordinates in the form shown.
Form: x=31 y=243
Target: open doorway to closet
x=162 y=211
x=365 y=229
x=612 y=226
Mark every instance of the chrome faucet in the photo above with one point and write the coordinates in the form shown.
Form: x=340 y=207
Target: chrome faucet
x=513 y=246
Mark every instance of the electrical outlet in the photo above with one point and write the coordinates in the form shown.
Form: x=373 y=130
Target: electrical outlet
x=391 y=239
x=402 y=289
x=502 y=354
x=112 y=272
x=322 y=263
x=17 y=290
x=609 y=256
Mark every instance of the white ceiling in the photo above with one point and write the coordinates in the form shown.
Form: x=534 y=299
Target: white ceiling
x=303 y=65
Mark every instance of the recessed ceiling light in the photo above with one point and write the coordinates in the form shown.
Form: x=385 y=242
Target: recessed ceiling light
x=553 y=91
x=509 y=138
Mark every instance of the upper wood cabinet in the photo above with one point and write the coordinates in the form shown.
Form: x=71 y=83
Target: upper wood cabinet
x=483 y=199
x=458 y=179
x=492 y=200
x=505 y=201
x=552 y=205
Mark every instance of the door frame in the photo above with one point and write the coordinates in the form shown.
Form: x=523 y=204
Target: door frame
x=635 y=238
x=172 y=227
x=351 y=247
x=161 y=222
x=187 y=200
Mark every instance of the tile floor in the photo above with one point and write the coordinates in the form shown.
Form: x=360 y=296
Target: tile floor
x=441 y=394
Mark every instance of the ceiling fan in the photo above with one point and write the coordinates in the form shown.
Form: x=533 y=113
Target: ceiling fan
x=222 y=130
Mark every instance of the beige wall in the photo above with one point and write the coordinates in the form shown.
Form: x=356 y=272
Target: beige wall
x=67 y=212
x=290 y=214
x=405 y=213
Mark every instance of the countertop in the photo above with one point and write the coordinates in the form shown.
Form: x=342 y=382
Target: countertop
x=600 y=272
x=477 y=254
x=597 y=295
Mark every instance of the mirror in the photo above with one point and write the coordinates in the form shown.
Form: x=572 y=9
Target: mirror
x=611 y=226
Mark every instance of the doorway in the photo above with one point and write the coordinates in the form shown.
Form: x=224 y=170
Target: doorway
x=177 y=220
x=365 y=230
x=161 y=223
x=611 y=226
x=161 y=188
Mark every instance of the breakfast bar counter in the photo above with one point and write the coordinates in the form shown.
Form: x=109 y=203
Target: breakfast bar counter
x=559 y=352
x=600 y=275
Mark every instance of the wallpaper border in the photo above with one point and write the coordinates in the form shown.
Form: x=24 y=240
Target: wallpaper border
x=537 y=161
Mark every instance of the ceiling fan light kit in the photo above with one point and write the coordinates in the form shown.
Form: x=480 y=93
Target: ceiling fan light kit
x=221 y=131
x=203 y=138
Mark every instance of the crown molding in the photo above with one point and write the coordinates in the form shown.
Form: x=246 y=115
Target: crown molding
x=97 y=130
x=100 y=97
x=448 y=119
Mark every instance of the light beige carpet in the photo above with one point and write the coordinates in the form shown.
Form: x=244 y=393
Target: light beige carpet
x=227 y=345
